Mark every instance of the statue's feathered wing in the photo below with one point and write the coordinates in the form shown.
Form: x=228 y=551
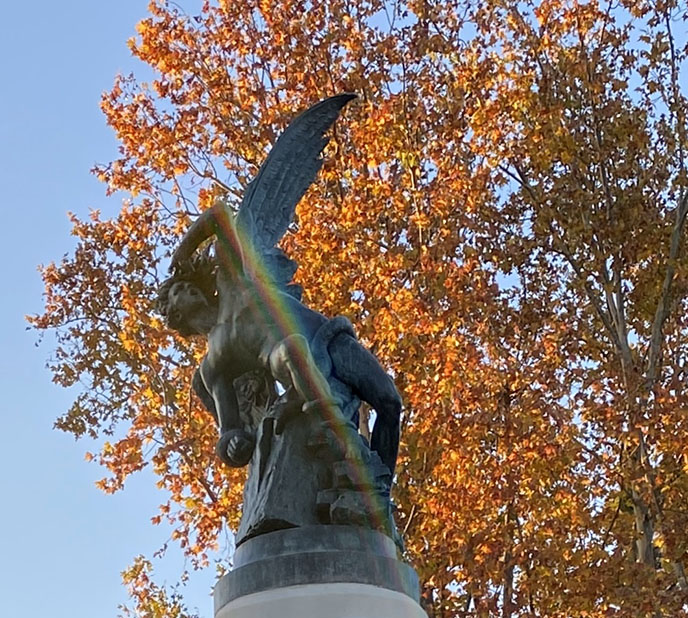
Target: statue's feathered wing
x=271 y=198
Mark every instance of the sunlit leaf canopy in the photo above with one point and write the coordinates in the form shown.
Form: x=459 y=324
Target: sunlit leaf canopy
x=501 y=215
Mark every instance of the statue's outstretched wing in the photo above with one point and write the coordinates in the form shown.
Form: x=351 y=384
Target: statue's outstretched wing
x=271 y=198
x=269 y=202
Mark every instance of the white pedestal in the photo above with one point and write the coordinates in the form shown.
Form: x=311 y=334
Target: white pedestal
x=326 y=571
x=323 y=601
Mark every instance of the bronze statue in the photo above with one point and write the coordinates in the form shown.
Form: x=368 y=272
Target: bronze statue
x=242 y=298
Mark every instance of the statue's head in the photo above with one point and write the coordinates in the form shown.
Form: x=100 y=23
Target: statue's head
x=187 y=299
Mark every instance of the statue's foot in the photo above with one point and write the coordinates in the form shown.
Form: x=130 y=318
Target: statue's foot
x=235 y=447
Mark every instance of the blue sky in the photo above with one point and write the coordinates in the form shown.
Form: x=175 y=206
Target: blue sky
x=63 y=544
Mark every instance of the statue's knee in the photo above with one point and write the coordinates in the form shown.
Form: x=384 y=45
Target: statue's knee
x=285 y=355
x=289 y=351
x=295 y=346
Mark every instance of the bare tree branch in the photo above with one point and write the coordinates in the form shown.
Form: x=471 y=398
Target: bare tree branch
x=663 y=304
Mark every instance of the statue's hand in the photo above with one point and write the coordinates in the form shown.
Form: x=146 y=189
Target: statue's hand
x=235 y=447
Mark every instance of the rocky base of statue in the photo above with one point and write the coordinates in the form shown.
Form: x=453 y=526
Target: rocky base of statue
x=313 y=467
x=318 y=571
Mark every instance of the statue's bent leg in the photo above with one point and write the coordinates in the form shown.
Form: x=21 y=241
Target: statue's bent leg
x=355 y=366
x=292 y=364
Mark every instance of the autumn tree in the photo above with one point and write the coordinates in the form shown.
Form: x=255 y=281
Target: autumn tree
x=502 y=216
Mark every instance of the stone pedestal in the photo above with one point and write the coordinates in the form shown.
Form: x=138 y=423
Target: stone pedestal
x=318 y=571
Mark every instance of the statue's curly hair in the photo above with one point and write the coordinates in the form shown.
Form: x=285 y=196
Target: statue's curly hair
x=199 y=270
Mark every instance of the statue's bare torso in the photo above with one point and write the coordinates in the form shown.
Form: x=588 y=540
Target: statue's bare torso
x=251 y=326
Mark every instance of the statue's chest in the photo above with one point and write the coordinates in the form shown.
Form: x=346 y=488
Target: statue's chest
x=243 y=338
x=247 y=335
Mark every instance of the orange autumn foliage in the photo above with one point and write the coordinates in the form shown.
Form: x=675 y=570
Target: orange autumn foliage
x=502 y=217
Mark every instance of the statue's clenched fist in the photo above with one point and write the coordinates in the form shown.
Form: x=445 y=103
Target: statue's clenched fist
x=235 y=447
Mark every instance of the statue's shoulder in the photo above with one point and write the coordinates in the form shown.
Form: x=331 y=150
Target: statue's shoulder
x=325 y=335
x=333 y=327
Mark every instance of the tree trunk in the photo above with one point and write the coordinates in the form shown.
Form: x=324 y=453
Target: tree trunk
x=644 y=526
x=507 y=601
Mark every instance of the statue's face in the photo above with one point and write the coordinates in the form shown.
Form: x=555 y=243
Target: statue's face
x=187 y=305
